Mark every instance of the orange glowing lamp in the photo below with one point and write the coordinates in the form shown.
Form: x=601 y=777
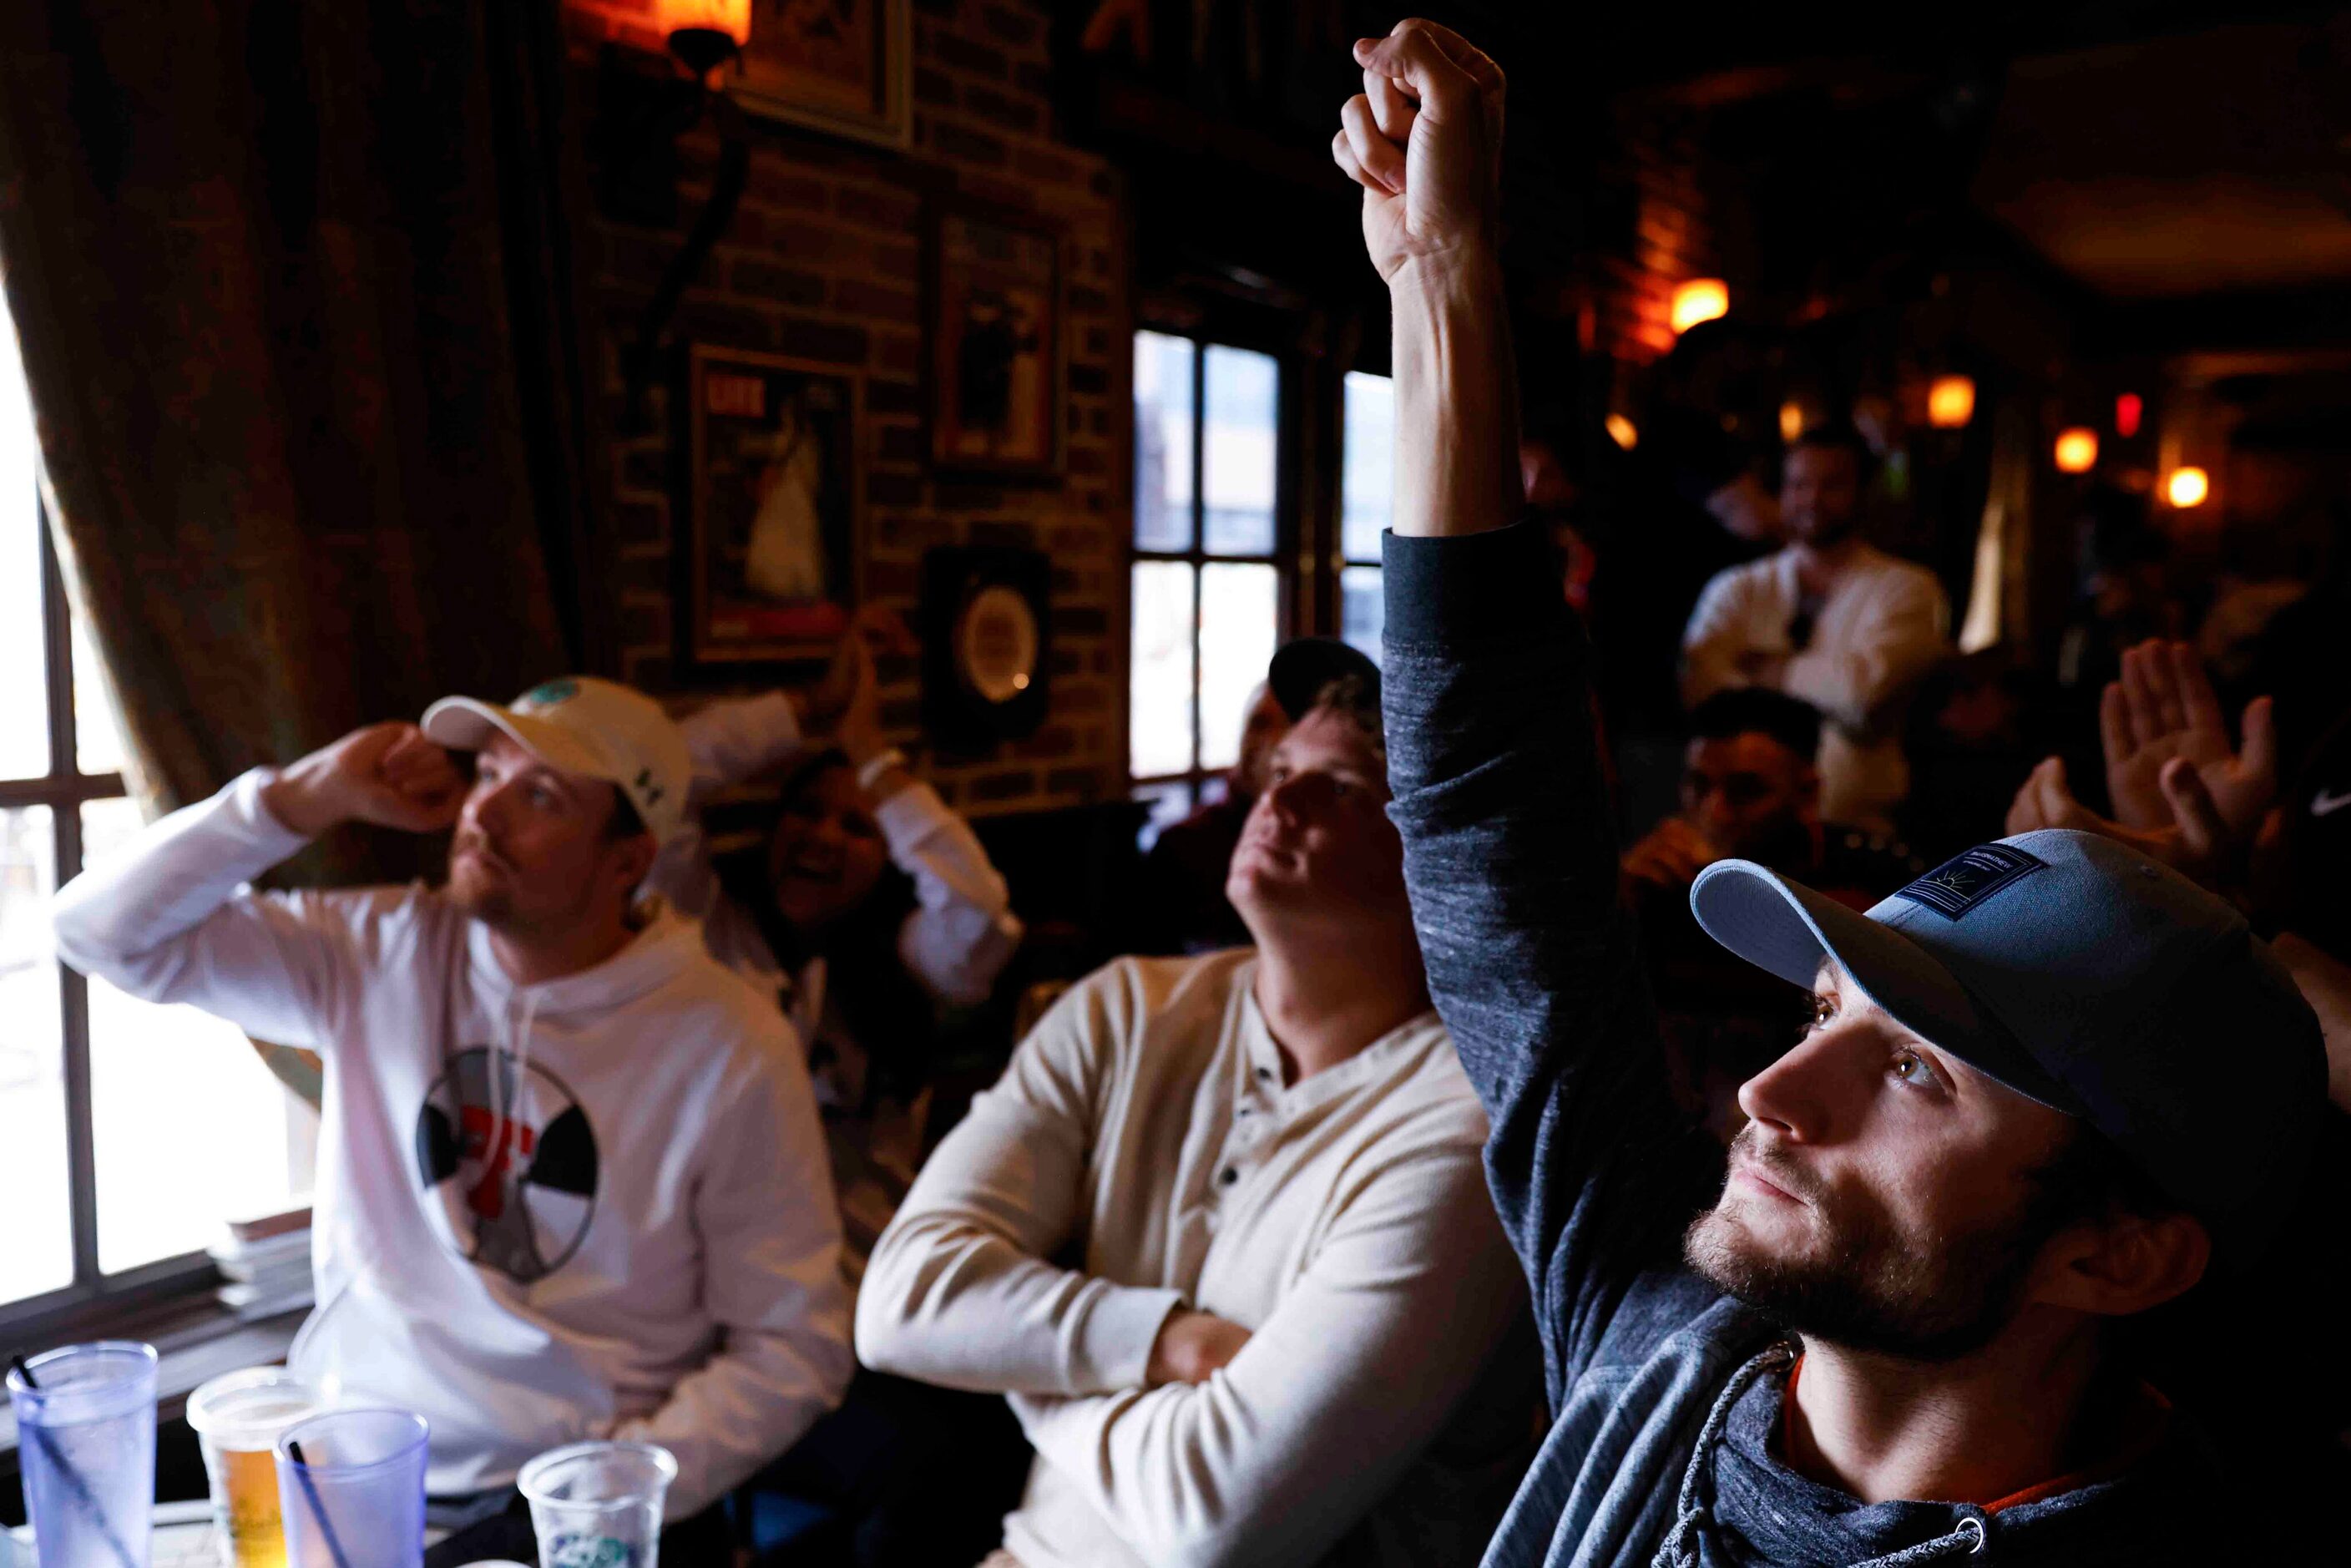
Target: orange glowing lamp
x=1951 y=402
x=732 y=17
x=1699 y=300
x=1621 y=432
x=2077 y=450
x=1791 y=421
x=2187 y=487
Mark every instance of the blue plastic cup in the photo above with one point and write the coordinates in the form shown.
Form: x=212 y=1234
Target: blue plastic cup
x=86 y=1429
x=355 y=1498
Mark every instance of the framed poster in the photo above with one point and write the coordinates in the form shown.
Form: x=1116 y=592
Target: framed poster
x=996 y=343
x=773 y=500
x=842 y=66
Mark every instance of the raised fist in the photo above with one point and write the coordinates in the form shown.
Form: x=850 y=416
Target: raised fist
x=1424 y=139
x=386 y=774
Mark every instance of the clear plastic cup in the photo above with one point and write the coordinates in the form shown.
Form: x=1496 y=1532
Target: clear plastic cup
x=355 y=1499
x=598 y=1505
x=238 y=1419
x=86 y=1441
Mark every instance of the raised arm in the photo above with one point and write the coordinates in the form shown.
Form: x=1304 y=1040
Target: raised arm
x=169 y=919
x=958 y=1291
x=1510 y=852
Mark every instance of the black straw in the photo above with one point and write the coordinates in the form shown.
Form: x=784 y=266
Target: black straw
x=68 y=1472
x=318 y=1504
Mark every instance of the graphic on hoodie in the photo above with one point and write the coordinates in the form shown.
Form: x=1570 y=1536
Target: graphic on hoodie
x=512 y=1159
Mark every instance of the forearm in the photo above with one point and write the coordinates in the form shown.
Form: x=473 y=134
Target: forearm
x=736 y=738
x=946 y=1302
x=743 y=1408
x=1457 y=413
x=963 y=931
x=174 y=874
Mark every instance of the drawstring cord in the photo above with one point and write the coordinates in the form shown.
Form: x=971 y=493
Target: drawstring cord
x=1680 y=1547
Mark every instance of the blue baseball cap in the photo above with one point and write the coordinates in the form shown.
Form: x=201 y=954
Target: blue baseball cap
x=2085 y=976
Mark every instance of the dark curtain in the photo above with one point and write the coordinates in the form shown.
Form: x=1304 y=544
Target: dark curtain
x=293 y=287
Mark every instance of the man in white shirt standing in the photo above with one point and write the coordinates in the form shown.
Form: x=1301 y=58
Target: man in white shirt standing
x=1221 y=1232
x=1829 y=619
x=570 y=1178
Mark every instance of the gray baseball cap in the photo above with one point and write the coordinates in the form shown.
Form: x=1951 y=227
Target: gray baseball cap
x=2085 y=976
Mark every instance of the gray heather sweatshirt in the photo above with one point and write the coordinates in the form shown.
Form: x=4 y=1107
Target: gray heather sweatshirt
x=1663 y=1392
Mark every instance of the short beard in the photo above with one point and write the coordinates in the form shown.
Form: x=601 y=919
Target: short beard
x=1922 y=1297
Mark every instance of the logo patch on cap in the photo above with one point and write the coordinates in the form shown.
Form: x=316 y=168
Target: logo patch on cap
x=548 y=693
x=1965 y=881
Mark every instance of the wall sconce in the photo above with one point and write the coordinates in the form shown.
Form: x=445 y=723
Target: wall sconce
x=2077 y=450
x=1791 y=421
x=1699 y=300
x=2129 y=408
x=1951 y=402
x=2187 y=487
x=705 y=37
x=1622 y=431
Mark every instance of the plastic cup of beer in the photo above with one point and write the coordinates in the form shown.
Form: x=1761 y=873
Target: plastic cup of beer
x=598 y=1505
x=237 y=1419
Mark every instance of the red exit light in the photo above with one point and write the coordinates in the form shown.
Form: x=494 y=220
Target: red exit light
x=2128 y=409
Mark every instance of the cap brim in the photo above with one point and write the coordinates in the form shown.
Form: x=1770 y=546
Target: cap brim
x=1786 y=929
x=466 y=724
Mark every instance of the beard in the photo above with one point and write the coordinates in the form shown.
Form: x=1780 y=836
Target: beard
x=1873 y=1284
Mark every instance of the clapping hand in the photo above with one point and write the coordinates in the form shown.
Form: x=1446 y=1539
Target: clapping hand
x=2183 y=794
x=826 y=704
x=2162 y=710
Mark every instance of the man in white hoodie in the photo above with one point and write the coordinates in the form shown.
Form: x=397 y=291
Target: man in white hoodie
x=571 y=1182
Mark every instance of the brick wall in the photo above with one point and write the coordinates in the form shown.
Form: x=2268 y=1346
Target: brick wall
x=824 y=262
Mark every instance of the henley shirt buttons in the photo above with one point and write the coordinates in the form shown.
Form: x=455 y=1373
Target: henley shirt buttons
x=1228 y=1175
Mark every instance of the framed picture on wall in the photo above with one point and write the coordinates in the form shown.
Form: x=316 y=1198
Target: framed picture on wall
x=996 y=342
x=773 y=492
x=842 y=66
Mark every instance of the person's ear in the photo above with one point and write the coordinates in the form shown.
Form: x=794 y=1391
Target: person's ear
x=1808 y=784
x=2123 y=1264
x=633 y=860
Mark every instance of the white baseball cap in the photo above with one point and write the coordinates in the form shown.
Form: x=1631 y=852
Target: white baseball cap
x=578 y=724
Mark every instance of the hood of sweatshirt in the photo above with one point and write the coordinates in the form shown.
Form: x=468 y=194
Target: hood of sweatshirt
x=663 y=944
x=1754 y=1510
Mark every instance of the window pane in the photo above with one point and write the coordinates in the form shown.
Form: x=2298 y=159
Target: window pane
x=1159 y=680
x=98 y=731
x=191 y=1129
x=1162 y=442
x=1237 y=463
x=24 y=697
x=1363 y=609
x=38 y=1254
x=1370 y=465
x=1239 y=612
x=1170 y=803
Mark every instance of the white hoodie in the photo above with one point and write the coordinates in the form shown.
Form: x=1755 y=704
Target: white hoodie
x=627 y=1229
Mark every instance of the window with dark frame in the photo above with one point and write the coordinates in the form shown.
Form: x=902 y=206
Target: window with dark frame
x=129 y=1132
x=1206 y=586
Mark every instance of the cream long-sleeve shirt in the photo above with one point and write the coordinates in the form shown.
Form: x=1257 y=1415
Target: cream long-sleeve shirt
x=1880 y=629
x=1142 y=1151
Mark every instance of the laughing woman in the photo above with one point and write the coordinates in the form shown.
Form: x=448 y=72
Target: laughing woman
x=865 y=908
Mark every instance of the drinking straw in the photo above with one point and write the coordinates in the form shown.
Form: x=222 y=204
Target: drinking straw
x=71 y=1473
x=318 y=1504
